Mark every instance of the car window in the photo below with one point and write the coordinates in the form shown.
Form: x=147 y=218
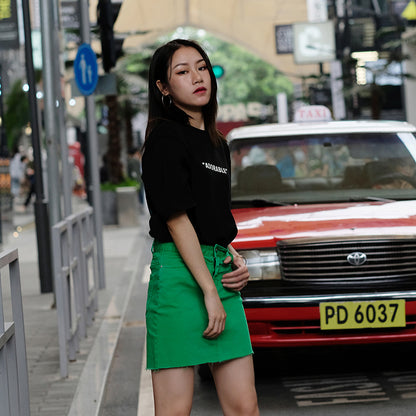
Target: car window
x=318 y=168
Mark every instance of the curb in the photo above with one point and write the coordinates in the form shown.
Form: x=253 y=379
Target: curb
x=91 y=386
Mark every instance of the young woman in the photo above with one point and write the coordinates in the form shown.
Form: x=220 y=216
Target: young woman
x=194 y=311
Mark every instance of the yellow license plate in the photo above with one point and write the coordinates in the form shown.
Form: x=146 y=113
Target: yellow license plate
x=369 y=314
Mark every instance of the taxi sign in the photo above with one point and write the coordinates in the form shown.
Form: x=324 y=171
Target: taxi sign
x=313 y=113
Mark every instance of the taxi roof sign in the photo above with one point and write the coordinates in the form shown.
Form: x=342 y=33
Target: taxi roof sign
x=313 y=113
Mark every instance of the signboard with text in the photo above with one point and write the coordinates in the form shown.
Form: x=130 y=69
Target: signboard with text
x=70 y=17
x=70 y=20
x=9 y=29
x=284 y=39
x=314 y=42
x=317 y=10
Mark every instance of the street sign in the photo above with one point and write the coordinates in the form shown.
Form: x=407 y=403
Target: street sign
x=9 y=28
x=317 y=10
x=314 y=42
x=409 y=12
x=86 y=69
x=70 y=14
x=106 y=85
x=284 y=38
x=70 y=21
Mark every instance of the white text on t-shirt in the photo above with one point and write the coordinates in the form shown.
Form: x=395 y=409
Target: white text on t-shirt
x=215 y=168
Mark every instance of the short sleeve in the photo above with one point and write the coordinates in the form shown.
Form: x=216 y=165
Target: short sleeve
x=166 y=176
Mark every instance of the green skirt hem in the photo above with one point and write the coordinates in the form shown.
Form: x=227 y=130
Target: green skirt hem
x=166 y=367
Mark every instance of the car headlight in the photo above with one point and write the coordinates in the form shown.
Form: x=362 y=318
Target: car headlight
x=262 y=264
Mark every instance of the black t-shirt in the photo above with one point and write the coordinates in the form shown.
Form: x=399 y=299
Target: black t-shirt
x=183 y=171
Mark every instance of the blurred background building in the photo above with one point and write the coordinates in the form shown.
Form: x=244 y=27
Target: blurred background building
x=357 y=57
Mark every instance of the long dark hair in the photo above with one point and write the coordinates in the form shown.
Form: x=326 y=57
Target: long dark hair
x=159 y=109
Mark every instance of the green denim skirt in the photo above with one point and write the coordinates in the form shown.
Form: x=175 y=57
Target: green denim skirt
x=176 y=315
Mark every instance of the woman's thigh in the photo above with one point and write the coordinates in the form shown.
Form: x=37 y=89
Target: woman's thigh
x=173 y=390
x=235 y=384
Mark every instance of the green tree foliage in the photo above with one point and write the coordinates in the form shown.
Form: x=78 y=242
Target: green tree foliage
x=247 y=78
x=16 y=116
x=138 y=63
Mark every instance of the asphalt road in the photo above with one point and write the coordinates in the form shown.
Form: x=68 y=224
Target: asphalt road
x=370 y=380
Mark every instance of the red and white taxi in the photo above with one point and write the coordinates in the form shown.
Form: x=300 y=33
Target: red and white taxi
x=326 y=213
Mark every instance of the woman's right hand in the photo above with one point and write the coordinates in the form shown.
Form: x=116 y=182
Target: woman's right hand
x=216 y=316
x=186 y=241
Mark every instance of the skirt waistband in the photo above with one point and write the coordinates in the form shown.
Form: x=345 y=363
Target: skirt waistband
x=206 y=249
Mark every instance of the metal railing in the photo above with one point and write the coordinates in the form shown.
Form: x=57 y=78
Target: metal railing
x=14 y=384
x=76 y=281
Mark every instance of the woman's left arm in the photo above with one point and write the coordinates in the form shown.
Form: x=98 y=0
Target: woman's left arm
x=238 y=278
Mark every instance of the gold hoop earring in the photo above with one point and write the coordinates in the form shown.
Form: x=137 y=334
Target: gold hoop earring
x=166 y=100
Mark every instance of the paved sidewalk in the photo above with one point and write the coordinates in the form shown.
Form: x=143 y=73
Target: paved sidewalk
x=49 y=393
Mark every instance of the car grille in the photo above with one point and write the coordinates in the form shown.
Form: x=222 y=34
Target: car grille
x=327 y=261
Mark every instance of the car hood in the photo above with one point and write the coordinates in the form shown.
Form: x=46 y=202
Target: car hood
x=263 y=227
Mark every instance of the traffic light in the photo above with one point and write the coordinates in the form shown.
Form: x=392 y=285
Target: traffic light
x=111 y=47
x=218 y=71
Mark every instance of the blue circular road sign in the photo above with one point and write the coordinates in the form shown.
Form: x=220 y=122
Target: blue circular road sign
x=86 y=69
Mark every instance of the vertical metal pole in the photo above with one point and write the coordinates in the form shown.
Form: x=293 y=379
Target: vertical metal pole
x=92 y=143
x=66 y=174
x=4 y=152
x=3 y=143
x=50 y=111
x=41 y=210
x=337 y=85
x=282 y=110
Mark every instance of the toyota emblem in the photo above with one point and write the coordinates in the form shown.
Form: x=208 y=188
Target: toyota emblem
x=357 y=258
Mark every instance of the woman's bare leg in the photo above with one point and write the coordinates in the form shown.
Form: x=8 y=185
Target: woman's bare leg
x=236 y=390
x=173 y=389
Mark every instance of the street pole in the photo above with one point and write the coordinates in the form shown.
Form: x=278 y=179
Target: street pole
x=92 y=146
x=56 y=141
x=3 y=143
x=60 y=97
x=41 y=209
x=4 y=152
x=50 y=111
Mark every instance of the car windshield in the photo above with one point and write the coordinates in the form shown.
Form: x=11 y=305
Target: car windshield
x=323 y=168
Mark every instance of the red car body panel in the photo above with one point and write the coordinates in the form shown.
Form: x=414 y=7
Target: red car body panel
x=264 y=227
x=296 y=323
